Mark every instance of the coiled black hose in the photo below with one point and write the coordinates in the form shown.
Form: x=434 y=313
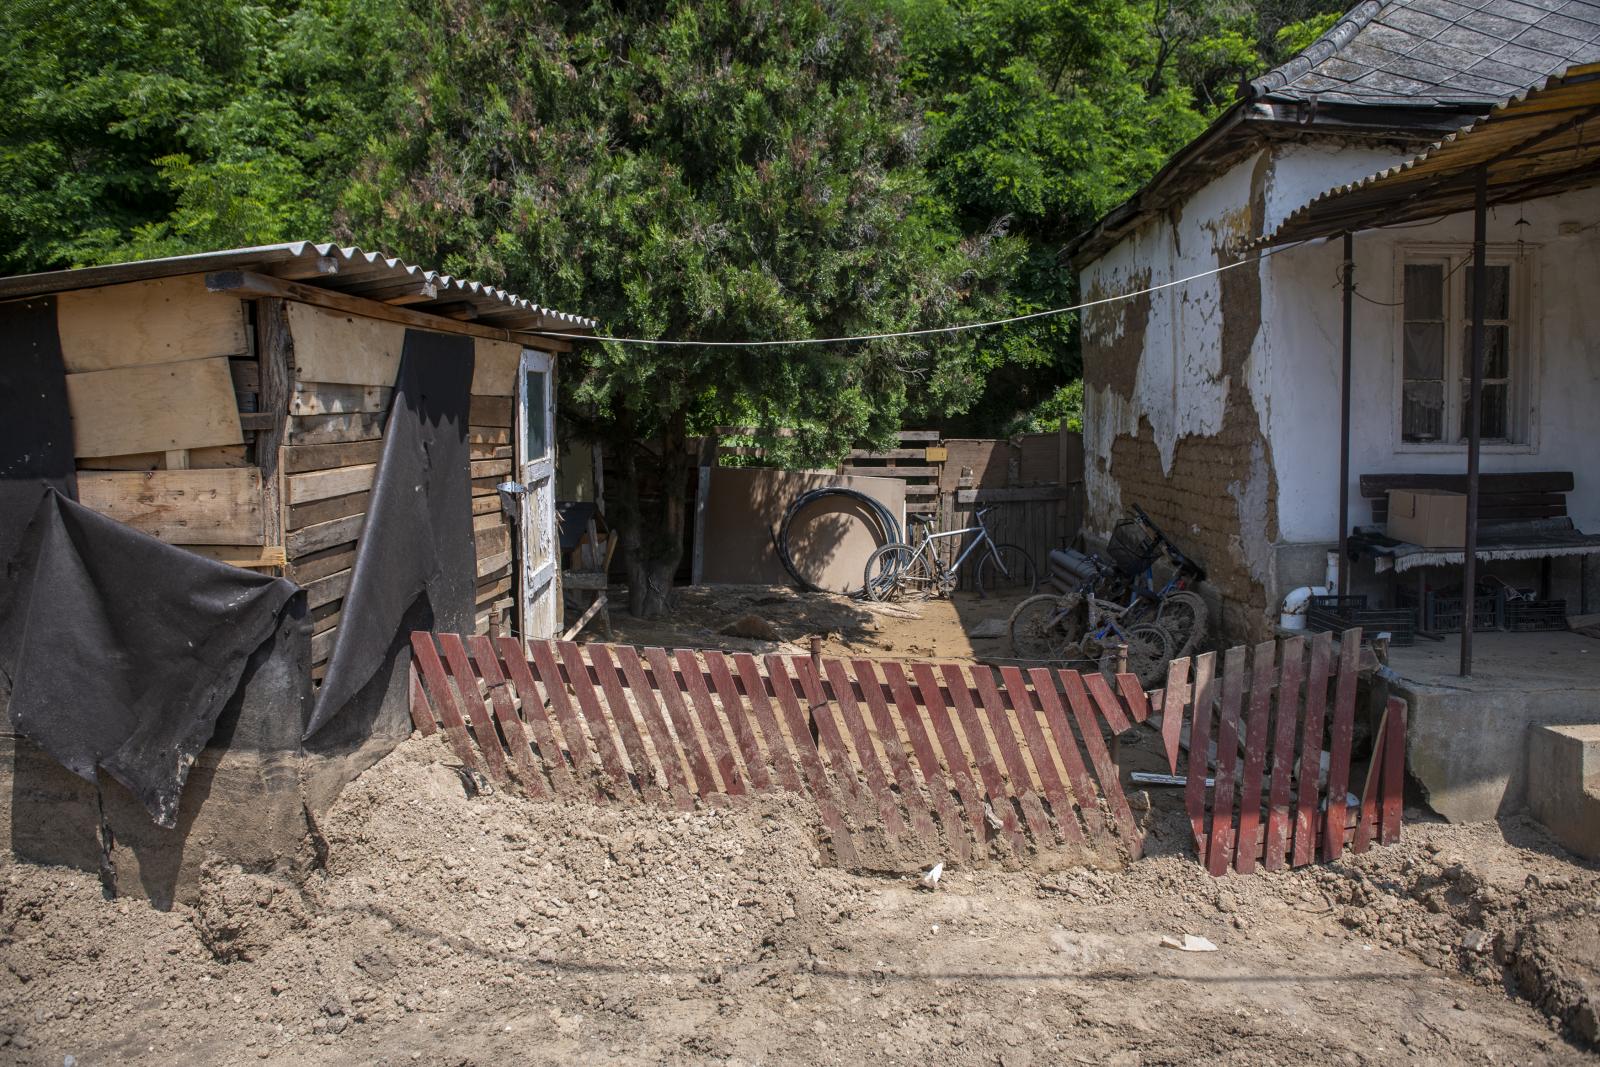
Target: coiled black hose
x=888 y=529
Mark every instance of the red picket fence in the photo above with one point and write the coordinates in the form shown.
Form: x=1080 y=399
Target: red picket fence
x=1271 y=803
x=901 y=759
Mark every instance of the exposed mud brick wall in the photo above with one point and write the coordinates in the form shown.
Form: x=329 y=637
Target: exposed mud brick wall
x=1179 y=363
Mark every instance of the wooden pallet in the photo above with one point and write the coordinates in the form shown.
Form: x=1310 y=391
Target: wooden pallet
x=907 y=763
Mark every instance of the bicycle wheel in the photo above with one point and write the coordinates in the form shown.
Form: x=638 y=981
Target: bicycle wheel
x=1149 y=652
x=1183 y=615
x=1043 y=626
x=897 y=572
x=1006 y=571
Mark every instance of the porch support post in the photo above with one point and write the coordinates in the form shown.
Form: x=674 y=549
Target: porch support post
x=1480 y=285
x=1344 y=418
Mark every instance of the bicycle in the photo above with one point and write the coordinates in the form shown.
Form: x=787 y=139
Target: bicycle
x=1050 y=626
x=916 y=572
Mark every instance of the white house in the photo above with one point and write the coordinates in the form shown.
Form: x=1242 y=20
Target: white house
x=1215 y=403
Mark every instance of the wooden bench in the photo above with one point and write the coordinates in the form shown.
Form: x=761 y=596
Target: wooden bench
x=1520 y=516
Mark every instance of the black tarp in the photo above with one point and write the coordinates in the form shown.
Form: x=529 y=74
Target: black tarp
x=415 y=565
x=122 y=651
x=35 y=422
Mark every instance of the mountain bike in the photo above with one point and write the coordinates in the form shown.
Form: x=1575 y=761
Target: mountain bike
x=1110 y=599
x=915 y=572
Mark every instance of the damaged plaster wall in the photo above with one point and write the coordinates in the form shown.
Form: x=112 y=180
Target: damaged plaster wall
x=1170 y=421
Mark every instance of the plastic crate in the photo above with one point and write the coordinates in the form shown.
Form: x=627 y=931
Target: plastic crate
x=1339 y=613
x=1442 y=613
x=1527 y=616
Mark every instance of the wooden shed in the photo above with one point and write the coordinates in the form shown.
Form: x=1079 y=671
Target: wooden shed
x=241 y=406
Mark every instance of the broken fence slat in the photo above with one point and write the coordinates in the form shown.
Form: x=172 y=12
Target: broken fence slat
x=1100 y=758
x=811 y=761
x=866 y=753
x=599 y=729
x=1194 y=792
x=1393 y=786
x=755 y=764
x=1344 y=712
x=666 y=683
x=994 y=787
x=455 y=728
x=661 y=739
x=1022 y=786
x=1279 y=818
x=1310 y=762
x=694 y=682
x=505 y=713
x=483 y=728
x=1066 y=747
x=939 y=789
x=1247 y=847
x=421 y=710
x=622 y=717
x=1023 y=699
x=1173 y=701
x=515 y=656
x=1220 y=839
x=1134 y=696
x=894 y=752
x=830 y=743
x=555 y=688
x=955 y=757
x=1110 y=707
x=778 y=754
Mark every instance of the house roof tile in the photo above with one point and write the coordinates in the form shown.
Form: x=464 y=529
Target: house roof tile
x=1414 y=52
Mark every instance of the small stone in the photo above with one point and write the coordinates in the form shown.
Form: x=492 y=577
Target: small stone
x=1475 y=941
x=751 y=626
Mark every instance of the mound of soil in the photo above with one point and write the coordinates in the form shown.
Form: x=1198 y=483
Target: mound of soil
x=455 y=929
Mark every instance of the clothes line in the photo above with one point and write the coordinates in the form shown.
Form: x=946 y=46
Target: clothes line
x=930 y=330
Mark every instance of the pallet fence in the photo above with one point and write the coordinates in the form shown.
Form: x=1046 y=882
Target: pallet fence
x=1260 y=722
x=906 y=762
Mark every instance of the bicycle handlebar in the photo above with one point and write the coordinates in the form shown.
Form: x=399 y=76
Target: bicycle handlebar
x=1176 y=555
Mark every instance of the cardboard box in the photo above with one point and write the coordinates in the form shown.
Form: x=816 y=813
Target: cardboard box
x=1432 y=518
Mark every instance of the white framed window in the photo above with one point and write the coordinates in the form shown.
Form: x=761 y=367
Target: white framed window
x=1434 y=348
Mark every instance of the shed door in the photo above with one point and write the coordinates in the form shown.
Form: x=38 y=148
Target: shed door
x=541 y=595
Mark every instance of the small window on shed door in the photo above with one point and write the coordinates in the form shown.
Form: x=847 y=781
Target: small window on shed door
x=536 y=445
x=1422 y=415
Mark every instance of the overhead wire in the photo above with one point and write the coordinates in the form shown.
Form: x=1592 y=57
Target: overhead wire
x=923 y=332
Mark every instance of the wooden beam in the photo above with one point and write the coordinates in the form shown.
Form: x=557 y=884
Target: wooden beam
x=249 y=283
x=276 y=386
x=1012 y=496
x=296 y=269
x=203 y=507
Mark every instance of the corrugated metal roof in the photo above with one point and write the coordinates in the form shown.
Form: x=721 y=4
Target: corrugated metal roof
x=1538 y=143
x=327 y=266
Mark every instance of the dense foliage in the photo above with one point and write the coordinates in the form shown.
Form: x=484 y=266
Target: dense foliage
x=707 y=171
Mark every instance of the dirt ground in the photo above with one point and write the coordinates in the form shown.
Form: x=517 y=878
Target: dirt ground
x=962 y=628
x=431 y=926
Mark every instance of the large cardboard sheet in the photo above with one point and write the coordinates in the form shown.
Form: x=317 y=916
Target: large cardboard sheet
x=829 y=541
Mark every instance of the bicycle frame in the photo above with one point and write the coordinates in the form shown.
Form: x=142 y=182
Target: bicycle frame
x=944 y=573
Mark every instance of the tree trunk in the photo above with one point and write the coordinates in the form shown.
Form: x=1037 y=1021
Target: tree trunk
x=650 y=512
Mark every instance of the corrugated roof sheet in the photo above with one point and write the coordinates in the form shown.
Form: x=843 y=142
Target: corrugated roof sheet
x=1438 y=53
x=1540 y=142
x=327 y=266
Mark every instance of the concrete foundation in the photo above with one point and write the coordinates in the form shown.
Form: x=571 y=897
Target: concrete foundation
x=1564 y=785
x=1468 y=738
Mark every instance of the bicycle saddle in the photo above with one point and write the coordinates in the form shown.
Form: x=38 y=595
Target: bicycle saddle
x=914 y=517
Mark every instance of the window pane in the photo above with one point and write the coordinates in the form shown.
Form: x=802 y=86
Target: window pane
x=1496 y=359
x=537 y=443
x=1494 y=419
x=1497 y=304
x=1422 y=415
x=1424 y=350
x=1424 y=295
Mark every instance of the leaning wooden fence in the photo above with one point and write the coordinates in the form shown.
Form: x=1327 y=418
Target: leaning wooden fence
x=1280 y=797
x=904 y=761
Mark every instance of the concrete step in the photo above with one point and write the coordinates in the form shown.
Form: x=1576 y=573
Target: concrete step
x=1564 y=784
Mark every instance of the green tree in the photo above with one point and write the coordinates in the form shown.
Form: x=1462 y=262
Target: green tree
x=137 y=128
x=704 y=171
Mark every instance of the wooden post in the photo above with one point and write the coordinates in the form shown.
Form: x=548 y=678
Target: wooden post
x=1344 y=417
x=1480 y=283
x=275 y=351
